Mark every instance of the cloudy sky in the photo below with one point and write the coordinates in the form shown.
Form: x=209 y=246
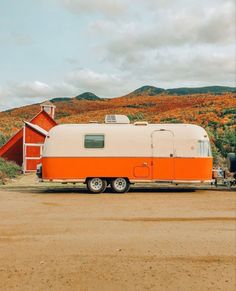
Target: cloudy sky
x=54 y=48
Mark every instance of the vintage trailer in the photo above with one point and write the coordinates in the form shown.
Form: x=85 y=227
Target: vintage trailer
x=119 y=154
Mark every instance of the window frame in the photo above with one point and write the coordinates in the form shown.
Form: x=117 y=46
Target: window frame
x=94 y=134
x=203 y=146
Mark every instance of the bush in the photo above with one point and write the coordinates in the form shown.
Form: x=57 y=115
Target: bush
x=8 y=170
x=62 y=114
x=3 y=139
x=171 y=120
x=143 y=105
x=229 y=111
x=136 y=117
x=224 y=139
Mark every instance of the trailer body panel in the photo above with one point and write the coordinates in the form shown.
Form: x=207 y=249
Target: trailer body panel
x=156 y=152
x=135 y=168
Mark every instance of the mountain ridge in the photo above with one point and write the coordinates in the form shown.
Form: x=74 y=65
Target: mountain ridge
x=154 y=91
x=144 y=91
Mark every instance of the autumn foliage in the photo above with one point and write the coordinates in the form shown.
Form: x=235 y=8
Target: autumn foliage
x=216 y=113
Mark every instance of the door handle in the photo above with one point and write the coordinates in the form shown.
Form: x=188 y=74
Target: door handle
x=145 y=164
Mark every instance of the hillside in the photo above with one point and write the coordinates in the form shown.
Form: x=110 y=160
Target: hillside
x=215 y=112
x=152 y=91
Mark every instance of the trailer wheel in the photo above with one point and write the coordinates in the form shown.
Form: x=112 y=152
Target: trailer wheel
x=120 y=185
x=96 y=185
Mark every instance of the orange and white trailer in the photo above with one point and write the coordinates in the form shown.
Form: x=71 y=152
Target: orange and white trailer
x=117 y=153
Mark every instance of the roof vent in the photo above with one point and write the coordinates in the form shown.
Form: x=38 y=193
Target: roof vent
x=144 y=123
x=117 y=119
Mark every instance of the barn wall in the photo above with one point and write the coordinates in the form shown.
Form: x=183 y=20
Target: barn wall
x=15 y=152
x=44 y=121
x=32 y=152
x=32 y=164
x=32 y=136
x=13 y=149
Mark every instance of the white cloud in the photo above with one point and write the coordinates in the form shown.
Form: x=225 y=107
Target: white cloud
x=175 y=43
x=16 y=94
x=29 y=89
x=101 y=83
x=75 y=82
x=131 y=43
x=104 y=7
x=214 y=26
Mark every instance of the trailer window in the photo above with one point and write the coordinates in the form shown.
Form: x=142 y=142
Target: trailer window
x=205 y=148
x=94 y=141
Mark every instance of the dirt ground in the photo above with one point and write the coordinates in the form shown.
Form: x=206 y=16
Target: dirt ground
x=58 y=238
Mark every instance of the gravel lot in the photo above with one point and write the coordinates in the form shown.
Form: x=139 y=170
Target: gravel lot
x=57 y=238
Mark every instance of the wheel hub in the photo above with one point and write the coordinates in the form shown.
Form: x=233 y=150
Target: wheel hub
x=96 y=183
x=120 y=183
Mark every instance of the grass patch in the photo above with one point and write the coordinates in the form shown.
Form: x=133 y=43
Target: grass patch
x=143 y=105
x=136 y=117
x=8 y=170
x=171 y=120
x=3 y=139
x=229 y=111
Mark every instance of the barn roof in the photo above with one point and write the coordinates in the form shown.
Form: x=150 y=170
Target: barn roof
x=37 y=128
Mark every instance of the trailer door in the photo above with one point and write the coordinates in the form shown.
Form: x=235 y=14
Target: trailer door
x=163 y=155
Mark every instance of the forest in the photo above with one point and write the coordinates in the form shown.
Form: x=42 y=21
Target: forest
x=215 y=112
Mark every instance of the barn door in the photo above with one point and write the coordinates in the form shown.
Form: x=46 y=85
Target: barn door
x=163 y=155
x=32 y=156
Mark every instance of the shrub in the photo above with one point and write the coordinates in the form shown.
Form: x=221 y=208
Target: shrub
x=8 y=170
x=225 y=141
x=229 y=111
x=136 y=117
x=3 y=139
x=62 y=114
x=171 y=120
x=143 y=105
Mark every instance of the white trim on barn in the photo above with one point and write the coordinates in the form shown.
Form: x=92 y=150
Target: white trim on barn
x=34 y=144
x=37 y=128
x=33 y=158
x=23 y=164
x=25 y=145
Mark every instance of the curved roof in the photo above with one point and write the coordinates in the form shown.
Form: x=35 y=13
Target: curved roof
x=120 y=139
x=179 y=130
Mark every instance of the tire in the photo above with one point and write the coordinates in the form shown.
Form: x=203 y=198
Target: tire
x=232 y=162
x=96 y=185
x=120 y=185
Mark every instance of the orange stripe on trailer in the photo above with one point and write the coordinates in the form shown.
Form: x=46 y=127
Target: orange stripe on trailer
x=134 y=168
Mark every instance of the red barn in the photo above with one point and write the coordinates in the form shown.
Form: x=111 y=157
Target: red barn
x=25 y=147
